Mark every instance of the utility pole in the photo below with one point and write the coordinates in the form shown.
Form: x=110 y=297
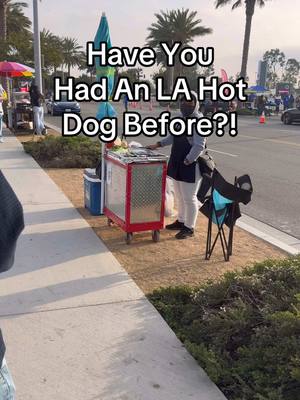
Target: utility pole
x=37 y=46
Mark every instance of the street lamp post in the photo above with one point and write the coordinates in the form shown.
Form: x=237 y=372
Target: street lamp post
x=37 y=46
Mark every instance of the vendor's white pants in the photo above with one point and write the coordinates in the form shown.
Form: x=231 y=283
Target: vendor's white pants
x=187 y=202
x=38 y=113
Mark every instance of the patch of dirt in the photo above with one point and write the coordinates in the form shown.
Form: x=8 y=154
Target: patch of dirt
x=26 y=136
x=169 y=262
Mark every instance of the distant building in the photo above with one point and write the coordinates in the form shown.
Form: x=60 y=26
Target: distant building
x=262 y=73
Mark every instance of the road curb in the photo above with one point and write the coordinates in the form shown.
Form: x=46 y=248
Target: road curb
x=277 y=238
x=54 y=127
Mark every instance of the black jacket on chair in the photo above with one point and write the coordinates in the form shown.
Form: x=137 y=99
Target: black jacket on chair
x=11 y=226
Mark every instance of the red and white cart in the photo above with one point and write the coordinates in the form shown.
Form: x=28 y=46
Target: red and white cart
x=135 y=191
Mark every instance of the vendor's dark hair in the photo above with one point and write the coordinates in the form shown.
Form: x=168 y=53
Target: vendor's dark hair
x=34 y=88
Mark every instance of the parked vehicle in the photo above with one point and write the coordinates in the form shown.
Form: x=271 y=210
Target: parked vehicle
x=290 y=115
x=209 y=107
x=59 y=107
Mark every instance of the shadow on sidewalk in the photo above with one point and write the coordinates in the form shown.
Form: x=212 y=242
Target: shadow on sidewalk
x=50 y=216
x=33 y=300
x=36 y=251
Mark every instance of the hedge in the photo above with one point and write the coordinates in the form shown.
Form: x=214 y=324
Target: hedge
x=244 y=331
x=63 y=152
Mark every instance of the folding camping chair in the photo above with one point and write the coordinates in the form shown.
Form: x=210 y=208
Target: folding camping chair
x=221 y=207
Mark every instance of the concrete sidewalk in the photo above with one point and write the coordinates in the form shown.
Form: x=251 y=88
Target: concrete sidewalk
x=76 y=326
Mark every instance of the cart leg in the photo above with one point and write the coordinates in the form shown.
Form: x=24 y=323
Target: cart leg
x=156 y=236
x=110 y=222
x=128 y=238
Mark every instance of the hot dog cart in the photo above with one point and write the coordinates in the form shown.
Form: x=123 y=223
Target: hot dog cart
x=135 y=191
x=21 y=110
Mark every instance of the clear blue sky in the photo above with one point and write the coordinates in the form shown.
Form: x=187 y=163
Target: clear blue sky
x=276 y=25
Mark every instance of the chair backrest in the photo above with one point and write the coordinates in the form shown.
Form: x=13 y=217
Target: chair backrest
x=240 y=192
x=220 y=207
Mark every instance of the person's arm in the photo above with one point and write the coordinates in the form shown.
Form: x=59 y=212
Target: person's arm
x=167 y=141
x=42 y=98
x=197 y=148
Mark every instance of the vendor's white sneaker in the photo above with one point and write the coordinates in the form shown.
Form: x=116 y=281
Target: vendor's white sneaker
x=1 y=140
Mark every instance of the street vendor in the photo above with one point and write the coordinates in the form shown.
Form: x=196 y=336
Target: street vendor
x=184 y=169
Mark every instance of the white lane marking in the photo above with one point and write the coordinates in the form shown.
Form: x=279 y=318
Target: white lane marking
x=223 y=152
x=272 y=140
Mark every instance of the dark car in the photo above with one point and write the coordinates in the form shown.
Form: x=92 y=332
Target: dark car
x=59 y=107
x=290 y=115
x=210 y=107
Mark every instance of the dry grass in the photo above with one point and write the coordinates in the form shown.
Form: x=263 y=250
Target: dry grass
x=169 y=262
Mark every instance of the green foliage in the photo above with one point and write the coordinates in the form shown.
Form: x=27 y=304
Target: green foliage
x=51 y=47
x=276 y=61
x=62 y=152
x=180 y=25
x=72 y=53
x=18 y=44
x=244 y=330
x=57 y=51
x=291 y=71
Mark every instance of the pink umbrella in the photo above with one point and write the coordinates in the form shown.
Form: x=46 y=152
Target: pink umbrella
x=12 y=69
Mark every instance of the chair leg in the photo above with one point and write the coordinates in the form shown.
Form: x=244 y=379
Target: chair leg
x=208 y=250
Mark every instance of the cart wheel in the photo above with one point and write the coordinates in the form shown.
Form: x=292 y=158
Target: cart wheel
x=128 y=238
x=155 y=236
x=109 y=222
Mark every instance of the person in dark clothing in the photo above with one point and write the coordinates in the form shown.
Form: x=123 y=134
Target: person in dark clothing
x=126 y=102
x=291 y=101
x=278 y=102
x=286 y=102
x=11 y=226
x=37 y=100
x=261 y=103
x=184 y=169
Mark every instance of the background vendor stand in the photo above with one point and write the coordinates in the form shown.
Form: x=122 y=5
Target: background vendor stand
x=10 y=70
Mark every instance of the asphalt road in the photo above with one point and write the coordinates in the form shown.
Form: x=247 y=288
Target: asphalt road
x=269 y=153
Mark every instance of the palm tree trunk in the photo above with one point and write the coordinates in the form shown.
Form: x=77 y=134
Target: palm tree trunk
x=69 y=70
x=3 y=20
x=3 y=38
x=250 y=6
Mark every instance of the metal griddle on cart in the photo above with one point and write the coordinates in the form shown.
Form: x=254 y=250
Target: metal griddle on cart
x=135 y=190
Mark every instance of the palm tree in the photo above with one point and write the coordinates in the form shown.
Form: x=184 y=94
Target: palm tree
x=250 y=9
x=3 y=20
x=17 y=22
x=12 y=18
x=15 y=33
x=71 y=53
x=181 y=25
x=51 y=47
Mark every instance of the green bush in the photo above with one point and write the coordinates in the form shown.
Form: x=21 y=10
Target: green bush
x=244 y=330
x=63 y=152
